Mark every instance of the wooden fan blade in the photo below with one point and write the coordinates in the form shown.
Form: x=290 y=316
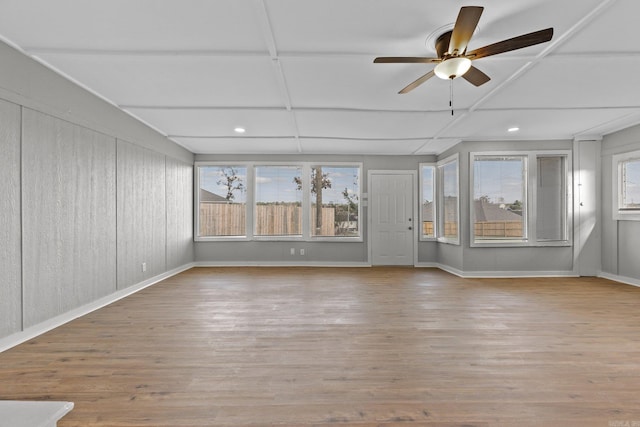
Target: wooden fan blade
x=404 y=60
x=508 y=45
x=466 y=24
x=475 y=76
x=418 y=82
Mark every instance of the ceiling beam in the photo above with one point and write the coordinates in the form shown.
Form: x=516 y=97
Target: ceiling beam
x=267 y=31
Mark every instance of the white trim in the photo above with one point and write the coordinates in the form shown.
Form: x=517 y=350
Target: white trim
x=620 y=279
x=498 y=274
x=279 y=264
x=440 y=200
x=250 y=201
x=530 y=198
x=434 y=204
x=39 y=329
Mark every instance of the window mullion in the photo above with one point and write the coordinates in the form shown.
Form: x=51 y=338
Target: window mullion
x=306 y=201
x=251 y=202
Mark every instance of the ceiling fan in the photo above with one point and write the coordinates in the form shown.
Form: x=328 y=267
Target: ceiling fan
x=453 y=59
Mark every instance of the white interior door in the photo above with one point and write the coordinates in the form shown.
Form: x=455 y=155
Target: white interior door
x=392 y=222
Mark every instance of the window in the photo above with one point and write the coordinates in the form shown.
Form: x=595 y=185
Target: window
x=499 y=199
x=449 y=200
x=334 y=195
x=278 y=207
x=427 y=202
x=278 y=201
x=520 y=199
x=222 y=201
x=626 y=193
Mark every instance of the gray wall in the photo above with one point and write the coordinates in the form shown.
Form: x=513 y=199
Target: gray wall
x=81 y=209
x=141 y=214
x=179 y=199
x=620 y=247
x=68 y=220
x=10 y=243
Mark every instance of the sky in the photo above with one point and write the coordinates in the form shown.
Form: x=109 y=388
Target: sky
x=500 y=180
x=276 y=183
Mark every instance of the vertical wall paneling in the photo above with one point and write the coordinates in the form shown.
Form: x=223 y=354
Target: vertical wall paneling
x=141 y=214
x=587 y=233
x=10 y=246
x=179 y=213
x=69 y=211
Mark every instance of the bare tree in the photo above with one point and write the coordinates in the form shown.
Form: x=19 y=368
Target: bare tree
x=319 y=182
x=231 y=181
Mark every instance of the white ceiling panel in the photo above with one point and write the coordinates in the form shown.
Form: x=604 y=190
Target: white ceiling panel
x=573 y=82
x=363 y=147
x=437 y=146
x=219 y=122
x=299 y=74
x=357 y=26
x=358 y=83
x=369 y=124
x=170 y=80
x=239 y=145
x=227 y=25
x=533 y=124
x=614 y=31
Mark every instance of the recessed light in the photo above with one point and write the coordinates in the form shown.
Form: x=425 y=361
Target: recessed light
x=240 y=130
x=513 y=129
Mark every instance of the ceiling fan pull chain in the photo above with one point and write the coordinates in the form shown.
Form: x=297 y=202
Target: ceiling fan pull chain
x=451 y=95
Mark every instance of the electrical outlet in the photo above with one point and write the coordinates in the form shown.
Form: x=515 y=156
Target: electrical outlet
x=293 y=251
x=302 y=251
x=144 y=267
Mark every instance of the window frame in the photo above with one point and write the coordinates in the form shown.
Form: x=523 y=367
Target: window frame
x=620 y=213
x=440 y=236
x=251 y=202
x=531 y=204
x=434 y=166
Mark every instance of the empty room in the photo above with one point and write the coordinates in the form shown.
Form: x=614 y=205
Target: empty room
x=313 y=213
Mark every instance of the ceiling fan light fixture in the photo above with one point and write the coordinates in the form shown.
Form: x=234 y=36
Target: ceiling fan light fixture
x=452 y=68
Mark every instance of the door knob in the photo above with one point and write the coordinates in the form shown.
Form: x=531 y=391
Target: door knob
x=410 y=228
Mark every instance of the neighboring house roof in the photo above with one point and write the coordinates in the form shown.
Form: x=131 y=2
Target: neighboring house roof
x=451 y=204
x=208 y=196
x=488 y=212
x=484 y=211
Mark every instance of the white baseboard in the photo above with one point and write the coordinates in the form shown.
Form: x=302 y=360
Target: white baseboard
x=496 y=274
x=279 y=264
x=39 y=329
x=621 y=279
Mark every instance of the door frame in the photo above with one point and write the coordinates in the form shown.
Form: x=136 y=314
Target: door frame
x=414 y=210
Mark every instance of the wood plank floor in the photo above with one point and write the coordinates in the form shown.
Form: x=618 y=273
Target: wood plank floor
x=348 y=347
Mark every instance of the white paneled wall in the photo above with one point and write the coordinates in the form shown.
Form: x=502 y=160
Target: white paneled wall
x=179 y=198
x=10 y=269
x=80 y=212
x=142 y=215
x=69 y=211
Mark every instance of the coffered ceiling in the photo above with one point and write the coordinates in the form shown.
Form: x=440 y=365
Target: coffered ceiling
x=299 y=76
